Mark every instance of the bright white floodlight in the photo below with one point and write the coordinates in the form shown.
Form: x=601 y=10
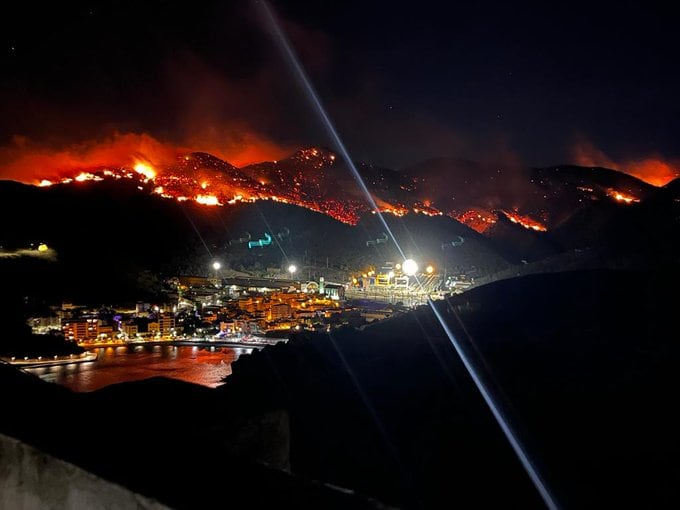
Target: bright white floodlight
x=409 y=267
x=216 y=266
x=292 y=268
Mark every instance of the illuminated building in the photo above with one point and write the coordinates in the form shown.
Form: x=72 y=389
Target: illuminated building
x=382 y=280
x=130 y=328
x=142 y=308
x=401 y=282
x=251 y=305
x=279 y=311
x=77 y=329
x=166 y=322
x=84 y=329
x=104 y=331
x=153 y=328
x=335 y=291
x=41 y=325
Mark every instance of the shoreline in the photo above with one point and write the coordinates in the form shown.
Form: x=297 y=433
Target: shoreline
x=229 y=342
x=85 y=357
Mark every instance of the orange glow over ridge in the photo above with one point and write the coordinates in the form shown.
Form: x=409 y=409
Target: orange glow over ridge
x=653 y=170
x=26 y=161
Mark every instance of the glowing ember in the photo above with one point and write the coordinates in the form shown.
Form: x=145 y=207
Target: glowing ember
x=477 y=219
x=426 y=209
x=525 y=221
x=622 y=197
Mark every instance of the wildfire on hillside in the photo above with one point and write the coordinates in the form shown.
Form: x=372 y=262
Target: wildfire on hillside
x=426 y=208
x=394 y=209
x=620 y=196
x=211 y=182
x=525 y=221
x=477 y=219
x=302 y=180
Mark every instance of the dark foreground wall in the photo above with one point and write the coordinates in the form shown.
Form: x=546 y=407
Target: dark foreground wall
x=31 y=479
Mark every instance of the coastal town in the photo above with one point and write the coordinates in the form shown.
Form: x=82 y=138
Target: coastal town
x=216 y=308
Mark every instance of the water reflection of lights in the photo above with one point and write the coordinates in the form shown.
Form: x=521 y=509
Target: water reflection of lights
x=195 y=364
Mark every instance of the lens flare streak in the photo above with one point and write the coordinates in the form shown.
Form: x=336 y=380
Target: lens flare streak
x=489 y=399
x=316 y=101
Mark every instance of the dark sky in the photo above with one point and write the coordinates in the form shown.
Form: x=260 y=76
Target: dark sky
x=403 y=81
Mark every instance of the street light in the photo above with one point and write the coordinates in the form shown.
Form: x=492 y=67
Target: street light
x=409 y=267
x=291 y=269
x=216 y=265
x=429 y=269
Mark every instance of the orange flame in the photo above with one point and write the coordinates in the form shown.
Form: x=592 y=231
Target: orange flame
x=525 y=221
x=146 y=170
x=207 y=200
x=620 y=196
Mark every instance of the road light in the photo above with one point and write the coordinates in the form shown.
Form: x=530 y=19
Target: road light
x=292 y=269
x=429 y=269
x=409 y=267
x=216 y=265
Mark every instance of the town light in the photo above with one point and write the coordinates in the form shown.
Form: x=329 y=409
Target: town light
x=410 y=267
x=292 y=268
x=429 y=269
x=216 y=266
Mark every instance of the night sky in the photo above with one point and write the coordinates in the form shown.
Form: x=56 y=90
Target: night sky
x=403 y=81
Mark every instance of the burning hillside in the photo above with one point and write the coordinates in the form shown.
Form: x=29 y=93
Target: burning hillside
x=207 y=180
x=316 y=178
x=482 y=220
x=525 y=221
